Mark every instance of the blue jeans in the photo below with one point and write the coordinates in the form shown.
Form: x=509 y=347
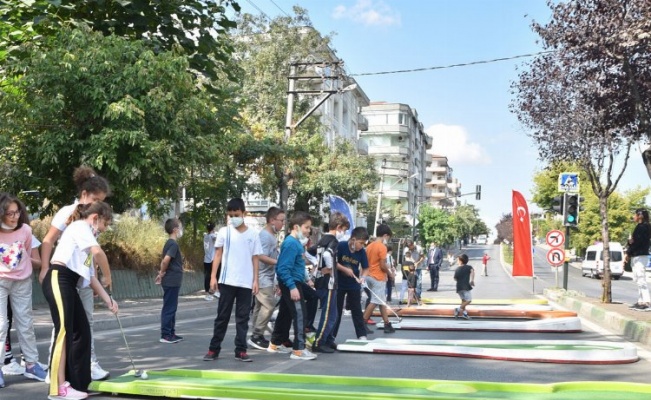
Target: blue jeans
x=325 y=332
x=168 y=313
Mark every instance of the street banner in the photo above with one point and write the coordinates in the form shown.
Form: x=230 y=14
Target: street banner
x=522 y=246
x=339 y=204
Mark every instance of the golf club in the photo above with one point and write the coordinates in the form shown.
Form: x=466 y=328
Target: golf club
x=364 y=285
x=137 y=372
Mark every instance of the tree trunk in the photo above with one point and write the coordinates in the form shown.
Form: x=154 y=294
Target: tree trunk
x=607 y=294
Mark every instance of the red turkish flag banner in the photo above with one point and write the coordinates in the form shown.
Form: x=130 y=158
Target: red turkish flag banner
x=522 y=246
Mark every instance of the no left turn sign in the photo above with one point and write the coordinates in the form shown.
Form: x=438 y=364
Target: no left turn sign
x=555 y=238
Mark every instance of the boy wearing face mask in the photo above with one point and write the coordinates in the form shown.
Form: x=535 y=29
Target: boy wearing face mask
x=170 y=278
x=237 y=248
x=378 y=271
x=326 y=282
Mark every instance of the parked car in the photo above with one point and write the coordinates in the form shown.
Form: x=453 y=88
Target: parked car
x=593 y=262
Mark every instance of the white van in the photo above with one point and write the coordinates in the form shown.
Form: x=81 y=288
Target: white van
x=593 y=264
x=482 y=239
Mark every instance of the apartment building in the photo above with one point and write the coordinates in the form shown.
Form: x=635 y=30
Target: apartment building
x=444 y=187
x=399 y=144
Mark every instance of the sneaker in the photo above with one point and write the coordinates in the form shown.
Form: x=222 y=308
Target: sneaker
x=370 y=322
x=323 y=349
x=347 y=312
x=369 y=330
x=388 y=328
x=67 y=392
x=465 y=315
x=216 y=294
x=44 y=366
x=211 y=356
x=362 y=338
x=35 y=372
x=13 y=368
x=258 y=342
x=97 y=373
x=456 y=312
x=2 y=380
x=242 y=356
x=304 y=354
x=177 y=337
x=278 y=348
x=169 y=339
x=209 y=297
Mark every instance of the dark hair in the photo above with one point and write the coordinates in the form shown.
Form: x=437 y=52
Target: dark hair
x=463 y=258
x=102 y=209
x=338 y=219
x=273 y=212
x=86 y=179
x=644 y=214
x=383 y=229
x=389 y=248
x=210 y=226
x=299 y=218
x=171 y=224
x=359 y=233
x=5 y=200
x=235 y=204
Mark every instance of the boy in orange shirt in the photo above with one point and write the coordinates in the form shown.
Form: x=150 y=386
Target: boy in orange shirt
x=377 y=274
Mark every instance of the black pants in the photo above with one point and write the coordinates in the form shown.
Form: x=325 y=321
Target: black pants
x=230 y=295
x=10 y=316
x=434 y=277
x=354 y=300
x=60 y=290
x=311 y=304
x=207 y=269
x=290 y=313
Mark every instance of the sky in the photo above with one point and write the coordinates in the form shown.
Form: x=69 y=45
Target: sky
x=465 y=109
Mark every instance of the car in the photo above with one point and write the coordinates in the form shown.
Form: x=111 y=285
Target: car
x=593 y=265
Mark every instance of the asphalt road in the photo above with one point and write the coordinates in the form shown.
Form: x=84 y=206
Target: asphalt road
x=149 y=354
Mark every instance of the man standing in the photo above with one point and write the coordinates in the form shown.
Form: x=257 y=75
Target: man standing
x=434 y=261
x=638 y=254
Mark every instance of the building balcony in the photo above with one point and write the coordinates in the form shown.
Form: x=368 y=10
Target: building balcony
x=437 y=169
x=439 y=195
x=437 y=182
x=395 y=194
x=389 y=151
x=391 y=129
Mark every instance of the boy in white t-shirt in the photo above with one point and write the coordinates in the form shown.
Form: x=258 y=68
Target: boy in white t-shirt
x=237 y=249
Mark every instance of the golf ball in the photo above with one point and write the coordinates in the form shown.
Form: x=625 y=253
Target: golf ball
x=144 y=375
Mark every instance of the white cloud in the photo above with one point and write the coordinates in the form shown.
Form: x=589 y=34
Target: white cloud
x=452 y=141
x=369 y=13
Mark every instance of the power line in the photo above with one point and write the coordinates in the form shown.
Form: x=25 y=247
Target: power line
x=281 y=10
x=259 y=9
x=403 y=71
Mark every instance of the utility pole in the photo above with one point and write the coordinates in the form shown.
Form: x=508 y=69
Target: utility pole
x=379 y=198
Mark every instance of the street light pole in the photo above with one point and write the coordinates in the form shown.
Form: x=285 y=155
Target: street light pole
x=379 y=198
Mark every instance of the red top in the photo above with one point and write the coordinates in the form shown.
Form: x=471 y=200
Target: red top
x=485 y=258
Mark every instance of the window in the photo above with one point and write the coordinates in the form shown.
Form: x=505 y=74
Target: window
x=591 y=256
x=402 y=119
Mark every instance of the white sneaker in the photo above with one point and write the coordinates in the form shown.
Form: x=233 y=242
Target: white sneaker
x=97 y=373
x=209 y=297
x=362 y=338
x=13 y=368
x=216 y=294
x=278 y=348
x=347 y=312
x=304 y=354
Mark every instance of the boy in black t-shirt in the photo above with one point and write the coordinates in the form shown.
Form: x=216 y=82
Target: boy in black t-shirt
x=412 y=281
x=464 y=275
x=170 y=278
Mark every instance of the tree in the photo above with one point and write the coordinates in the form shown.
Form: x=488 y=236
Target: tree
x=576 y=98
x=437 y=225
x=504 y=228
x=134 y=115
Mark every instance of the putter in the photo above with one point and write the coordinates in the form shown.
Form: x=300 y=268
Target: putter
x=138 y=373
x=364 y=285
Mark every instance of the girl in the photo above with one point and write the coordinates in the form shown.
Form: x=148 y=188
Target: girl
x=15 y=281
x=91 y=188
x=73 y=266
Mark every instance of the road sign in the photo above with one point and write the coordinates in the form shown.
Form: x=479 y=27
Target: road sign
x=555 y=238
x=568 y=182
x=556 y=256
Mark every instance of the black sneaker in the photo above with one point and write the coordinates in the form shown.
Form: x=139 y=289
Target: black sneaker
x=169 y=339
x=177 y=337
x=388 y=328
x=242 y=356
x=333 y=346
x=258 y=342
x=322 y=349
x=369 y=330
x=211 y=356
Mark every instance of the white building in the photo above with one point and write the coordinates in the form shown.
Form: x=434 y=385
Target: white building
x=444 y=187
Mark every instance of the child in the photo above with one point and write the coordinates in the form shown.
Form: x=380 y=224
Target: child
x=464 y=275
x=239 y=247
x=290 y=270
x=376 y=278
x=484 y=264
x=170 y=278
x=412 y=281
x=90 y=188
x=209 y=254
x=16 y=281
x=73 y=266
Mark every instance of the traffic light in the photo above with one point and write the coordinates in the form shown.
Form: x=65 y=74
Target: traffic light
x=478 y=192
x=571 y=209
x=557 y=204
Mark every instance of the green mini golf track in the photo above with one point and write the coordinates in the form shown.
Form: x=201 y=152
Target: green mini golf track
x=215 y=384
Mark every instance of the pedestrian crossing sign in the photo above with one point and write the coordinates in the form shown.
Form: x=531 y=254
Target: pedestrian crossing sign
x=568 y=182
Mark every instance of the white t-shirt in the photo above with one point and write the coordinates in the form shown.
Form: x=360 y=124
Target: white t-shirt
x=237 y=256
x=209 y=247
x=60 y=218
x=73 y=251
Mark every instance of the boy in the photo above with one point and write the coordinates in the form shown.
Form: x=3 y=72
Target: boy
x=412 y=280
x=464 y=275
x=484 y=264
x=326 y=281
x=237 y=249
x=290 y=270
x=265 y=299
x=376 y=278
x=208 y=255
x=170 y=278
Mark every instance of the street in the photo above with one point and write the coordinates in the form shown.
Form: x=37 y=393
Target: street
x=149 y=354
